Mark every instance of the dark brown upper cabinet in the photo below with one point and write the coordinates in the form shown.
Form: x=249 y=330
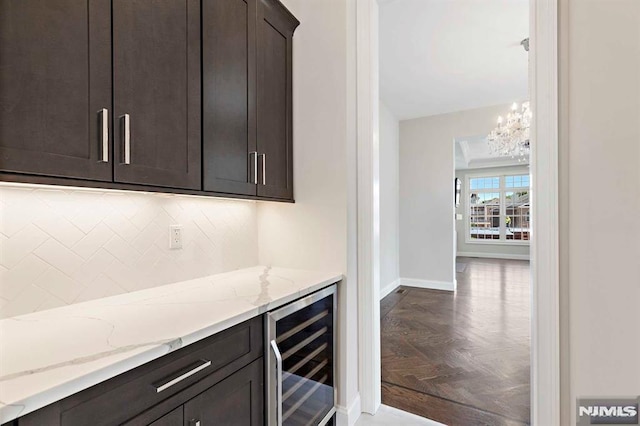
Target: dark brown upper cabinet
x=156 y=92
x=275 y=127
x=187 y=96
x=55 y=88
x=229 y=94
x=247 y=98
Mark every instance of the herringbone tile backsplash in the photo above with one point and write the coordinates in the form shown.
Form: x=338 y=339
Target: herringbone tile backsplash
x=64 y=246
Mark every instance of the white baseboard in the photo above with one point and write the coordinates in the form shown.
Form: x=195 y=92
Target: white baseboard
x=494 y=255
x=387 y=289
x=349 y=416
x=429 y=284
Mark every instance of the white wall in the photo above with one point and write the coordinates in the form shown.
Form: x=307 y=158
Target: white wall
x=62 y=245
x=488 y=250
x=600 y=199
x=318 y=231
x=426 y=189
x=389 y=201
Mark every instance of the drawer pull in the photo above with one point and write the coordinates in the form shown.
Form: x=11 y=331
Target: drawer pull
x=199 y=366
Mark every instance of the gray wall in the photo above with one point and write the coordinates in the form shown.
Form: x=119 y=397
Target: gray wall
x=426 y=189
x=497 y=250
x=389 y=203
x=599 y=199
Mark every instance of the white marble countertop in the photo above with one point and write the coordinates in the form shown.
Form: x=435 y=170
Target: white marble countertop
x=49 y=355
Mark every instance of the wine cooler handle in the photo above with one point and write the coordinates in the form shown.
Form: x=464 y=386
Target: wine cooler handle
x=276 y=352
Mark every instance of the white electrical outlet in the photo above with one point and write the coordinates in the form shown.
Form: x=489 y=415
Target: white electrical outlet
x=175 y=236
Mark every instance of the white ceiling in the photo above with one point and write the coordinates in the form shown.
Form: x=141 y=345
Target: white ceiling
x=474 y=153
x=439 y=56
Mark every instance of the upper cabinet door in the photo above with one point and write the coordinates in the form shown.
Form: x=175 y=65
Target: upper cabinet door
x=55 y=81
x=275 y=27
x=156 y=93
x=229 y=96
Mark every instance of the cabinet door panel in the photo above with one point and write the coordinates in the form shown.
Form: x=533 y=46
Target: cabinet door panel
x=275 y=33
x=156 y=75
x=228 y=63
x=236 y=401
x=55 y=75
x=174 y=418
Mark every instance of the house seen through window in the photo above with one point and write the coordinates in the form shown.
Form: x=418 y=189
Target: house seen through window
x=499 y=208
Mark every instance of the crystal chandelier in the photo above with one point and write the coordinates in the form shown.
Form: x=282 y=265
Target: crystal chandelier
x=511 y=138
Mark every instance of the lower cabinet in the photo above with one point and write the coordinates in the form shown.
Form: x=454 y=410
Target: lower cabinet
x=218 y=380
x=235 y=401
x=174 y=418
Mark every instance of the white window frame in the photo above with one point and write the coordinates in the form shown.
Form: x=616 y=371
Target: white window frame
x=502 y=190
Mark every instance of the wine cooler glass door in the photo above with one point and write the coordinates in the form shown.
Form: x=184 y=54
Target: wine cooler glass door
x=300 y=361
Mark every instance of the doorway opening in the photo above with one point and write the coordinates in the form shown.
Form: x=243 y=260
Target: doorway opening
x=542 y=214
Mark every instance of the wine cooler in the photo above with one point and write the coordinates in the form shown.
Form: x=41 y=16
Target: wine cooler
x=300 y=358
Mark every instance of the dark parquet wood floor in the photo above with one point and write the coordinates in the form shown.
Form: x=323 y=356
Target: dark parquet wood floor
x=461 y=359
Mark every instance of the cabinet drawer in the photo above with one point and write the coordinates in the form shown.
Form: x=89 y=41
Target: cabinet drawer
x=131 y=393
x=237 y=400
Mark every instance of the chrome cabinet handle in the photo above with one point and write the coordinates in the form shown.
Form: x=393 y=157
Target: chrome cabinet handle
x=202 y=364
x=194 y=422
x=276 y=352
x=104 y=154
x=126 y=151
x=254 y=154
x=264 y=168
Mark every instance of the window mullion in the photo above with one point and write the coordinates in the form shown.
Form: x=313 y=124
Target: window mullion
x=503 y=214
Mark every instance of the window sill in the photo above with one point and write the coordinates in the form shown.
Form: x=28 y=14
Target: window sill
x=499 y=242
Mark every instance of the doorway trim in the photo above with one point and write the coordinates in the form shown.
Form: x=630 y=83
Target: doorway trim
x=545 y=321
x=545 y=251
x=368 y=210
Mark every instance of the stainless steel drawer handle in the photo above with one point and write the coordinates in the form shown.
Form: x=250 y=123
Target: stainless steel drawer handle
x=194 y=422
x=254 y=154
x=276 y=352
x=264 y=168
x=126 y=138
x=104 y=149
x=201 y=365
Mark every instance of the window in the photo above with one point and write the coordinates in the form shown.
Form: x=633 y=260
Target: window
x=499 y=209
